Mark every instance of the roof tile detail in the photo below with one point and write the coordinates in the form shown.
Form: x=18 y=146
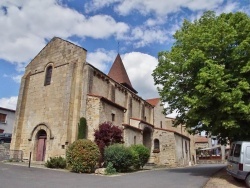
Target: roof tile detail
x=119 y=74
x=154 y=101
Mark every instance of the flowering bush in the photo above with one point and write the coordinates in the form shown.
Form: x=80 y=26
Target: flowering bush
x=82 y=156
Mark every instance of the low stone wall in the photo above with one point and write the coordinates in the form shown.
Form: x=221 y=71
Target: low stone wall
x=7 y=154
x=211 y=161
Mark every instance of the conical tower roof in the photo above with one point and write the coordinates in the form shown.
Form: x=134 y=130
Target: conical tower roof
x=119 y=74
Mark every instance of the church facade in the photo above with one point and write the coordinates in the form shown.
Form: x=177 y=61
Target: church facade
x=59 y=87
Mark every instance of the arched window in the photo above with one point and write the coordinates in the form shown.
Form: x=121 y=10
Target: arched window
x=48 y=75
x=156 y=146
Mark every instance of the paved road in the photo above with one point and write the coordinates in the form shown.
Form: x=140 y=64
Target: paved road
x=12 y=176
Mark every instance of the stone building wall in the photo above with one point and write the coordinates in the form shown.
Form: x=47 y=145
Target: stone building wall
x=159 y=118
x=92 y=116
x=100 y=86
x=132 y=136
x=135 y=108
x=54 y=106
x=182 y=150
x=166 y=155
x=79 y=90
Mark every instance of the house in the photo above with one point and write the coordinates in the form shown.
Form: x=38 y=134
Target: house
x=201 y=142
x=7 y=118
x=59 y=87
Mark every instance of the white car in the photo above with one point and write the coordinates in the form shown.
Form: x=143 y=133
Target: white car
x=239 y=161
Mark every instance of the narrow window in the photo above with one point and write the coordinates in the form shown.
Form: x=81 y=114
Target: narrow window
x=186 y=147
x=48 y=76
x=130 y=107
x=112 y=93
x=161 y=124
x=3 y=118
x=113 y=117
x=156 y=145
x=143 y=111
x=134 y=140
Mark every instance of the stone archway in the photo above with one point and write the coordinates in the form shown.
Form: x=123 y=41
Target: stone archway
x=147 y=137
x=40 y=146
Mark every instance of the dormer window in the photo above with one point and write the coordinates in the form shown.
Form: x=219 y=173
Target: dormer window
x=48 y=75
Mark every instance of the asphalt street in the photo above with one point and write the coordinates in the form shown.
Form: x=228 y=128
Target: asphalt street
x=12 y=176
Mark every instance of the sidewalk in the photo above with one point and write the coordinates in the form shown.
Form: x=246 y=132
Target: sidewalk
x=222 y=180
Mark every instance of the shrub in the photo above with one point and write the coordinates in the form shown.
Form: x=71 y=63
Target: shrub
x=143 y=154
x=110 y=169
x=82 y=156
x=136 y=161
x=106 y=135
x=120 y=156
x=56 y=162
x=82 y=128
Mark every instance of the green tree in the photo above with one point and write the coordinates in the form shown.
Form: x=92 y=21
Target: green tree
x=82 y=128
x=206 y=75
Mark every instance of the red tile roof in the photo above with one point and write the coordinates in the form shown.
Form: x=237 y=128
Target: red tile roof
x=200 y=139
x=154 y=101
x=119 y=74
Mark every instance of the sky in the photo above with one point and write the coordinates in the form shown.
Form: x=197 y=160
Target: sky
x=137 y=29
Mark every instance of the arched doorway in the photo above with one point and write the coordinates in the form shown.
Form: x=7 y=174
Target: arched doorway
x=41 y=145
x=147 y=137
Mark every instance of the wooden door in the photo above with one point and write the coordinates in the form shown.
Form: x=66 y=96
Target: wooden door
x=41 y=148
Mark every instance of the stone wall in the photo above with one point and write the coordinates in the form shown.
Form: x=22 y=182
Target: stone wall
x=201 y=145
x=55 y=106
x=166 y=155
x=132 y=136
x=182 y=150
x=159 y=118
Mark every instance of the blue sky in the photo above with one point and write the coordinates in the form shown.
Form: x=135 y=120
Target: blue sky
x=141 y=27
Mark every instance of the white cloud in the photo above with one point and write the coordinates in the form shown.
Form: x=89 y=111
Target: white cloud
x=26 y=24
x=142 y=36
x=9 y=103
x=101 y=59
x=153 y=22
x=139 y=67
x=98 y=4
x=16 y=78
x=158 y=7
x=229 y=7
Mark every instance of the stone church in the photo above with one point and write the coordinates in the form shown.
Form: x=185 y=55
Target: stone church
x=59 y=87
